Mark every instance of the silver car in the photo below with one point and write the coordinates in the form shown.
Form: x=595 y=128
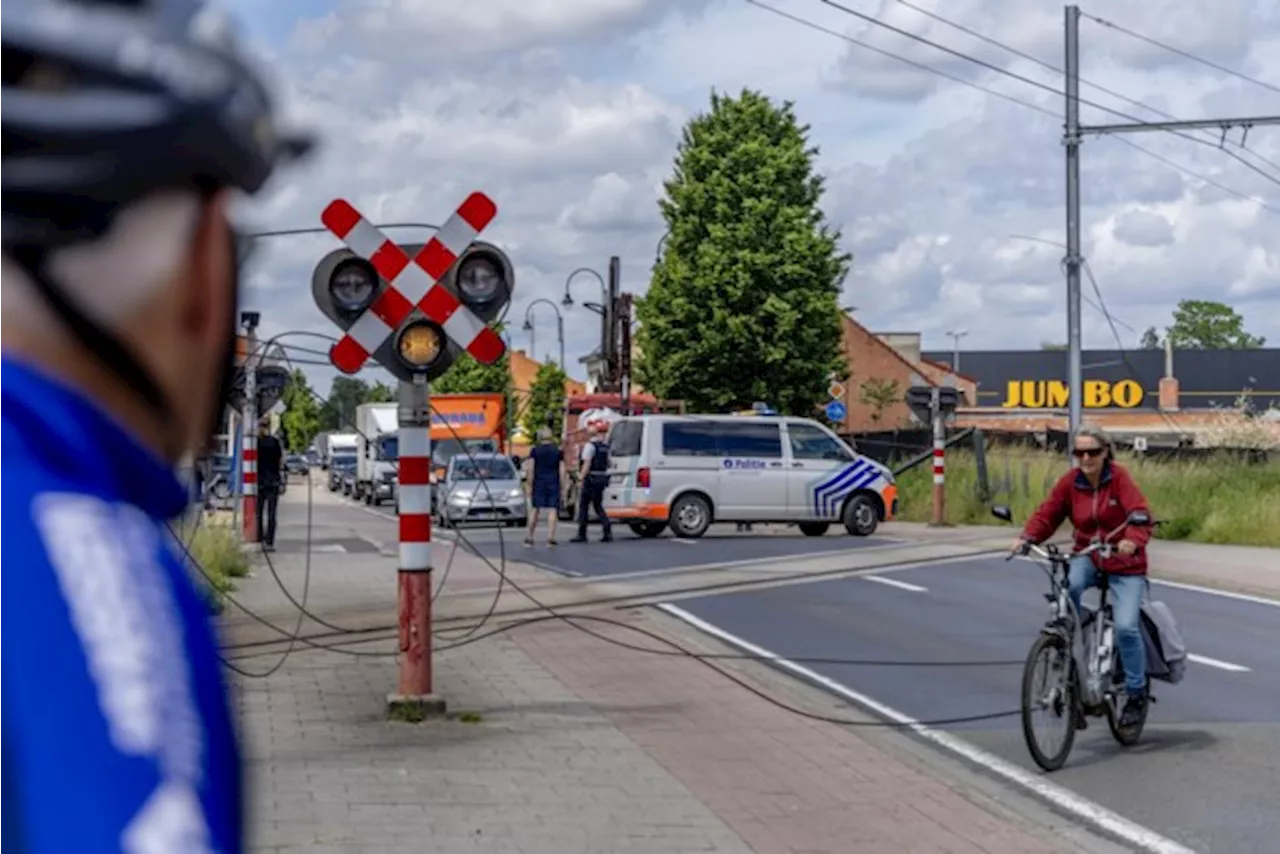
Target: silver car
x=481 y=488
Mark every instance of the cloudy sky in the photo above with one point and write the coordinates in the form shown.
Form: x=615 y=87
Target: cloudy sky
x=567 y=113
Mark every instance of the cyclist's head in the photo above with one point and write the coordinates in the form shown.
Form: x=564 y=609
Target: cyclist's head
x=1092 y=447
x=126 y=125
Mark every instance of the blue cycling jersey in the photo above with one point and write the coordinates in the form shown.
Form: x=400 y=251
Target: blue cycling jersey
x=117 y=732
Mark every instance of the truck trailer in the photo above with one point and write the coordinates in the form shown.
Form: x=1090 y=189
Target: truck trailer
x=377 y=452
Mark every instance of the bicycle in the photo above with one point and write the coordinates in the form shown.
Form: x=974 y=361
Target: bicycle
x=1062 y=690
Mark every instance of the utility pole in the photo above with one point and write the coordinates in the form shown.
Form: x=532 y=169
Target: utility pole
x=955 y=335
x=610 y=343
x=623 y=315
x=249 y=439
x=1073 y=134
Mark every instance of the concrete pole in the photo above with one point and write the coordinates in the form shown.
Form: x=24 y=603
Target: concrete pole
x=1071 y=142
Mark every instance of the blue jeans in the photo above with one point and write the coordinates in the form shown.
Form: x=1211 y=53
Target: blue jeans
x=1126 y=608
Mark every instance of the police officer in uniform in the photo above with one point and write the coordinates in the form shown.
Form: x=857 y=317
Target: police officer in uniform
x=593 y=474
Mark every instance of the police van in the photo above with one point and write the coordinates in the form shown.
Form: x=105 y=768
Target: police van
x=688 y=471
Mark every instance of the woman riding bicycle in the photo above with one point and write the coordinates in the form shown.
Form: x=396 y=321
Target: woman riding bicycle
x=1098 y=497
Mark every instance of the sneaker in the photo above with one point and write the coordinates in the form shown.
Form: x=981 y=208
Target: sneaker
x=528 y=542
x=578 y=539
x=1135 y=707
x=551 y=542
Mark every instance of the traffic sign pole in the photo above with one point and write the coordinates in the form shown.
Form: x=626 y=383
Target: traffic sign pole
x=249 y=464
x=939 y=461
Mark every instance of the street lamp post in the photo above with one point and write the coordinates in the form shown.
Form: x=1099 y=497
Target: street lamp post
x=528 y=327
x=955 y=335
x=601 y=309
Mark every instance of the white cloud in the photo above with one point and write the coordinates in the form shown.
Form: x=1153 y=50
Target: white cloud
x=568 y=113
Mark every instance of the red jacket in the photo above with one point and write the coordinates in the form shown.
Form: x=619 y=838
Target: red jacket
x=1096 y=512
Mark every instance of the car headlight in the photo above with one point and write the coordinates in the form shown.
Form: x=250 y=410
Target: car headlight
x=460 y=498
x=516 y=493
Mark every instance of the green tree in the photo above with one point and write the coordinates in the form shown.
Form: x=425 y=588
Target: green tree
x=467 y=376
x=380 y=392
x=879 y=394
x=545 y=407
x=1205 y=325
x=301 y=419
x=744 y=304
x=1150 y=339
x=339 y=411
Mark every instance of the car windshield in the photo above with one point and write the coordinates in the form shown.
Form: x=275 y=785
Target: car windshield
x=492 y=468
x=344 y=462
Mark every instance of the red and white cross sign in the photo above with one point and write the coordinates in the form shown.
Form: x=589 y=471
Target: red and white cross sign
x=413 y=283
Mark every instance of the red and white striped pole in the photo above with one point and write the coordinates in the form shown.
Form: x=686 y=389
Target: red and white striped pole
x=939 y=463
x=415 y=548
x=249 y=445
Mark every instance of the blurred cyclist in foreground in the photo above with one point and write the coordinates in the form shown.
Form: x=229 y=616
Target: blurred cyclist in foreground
x=126 y=125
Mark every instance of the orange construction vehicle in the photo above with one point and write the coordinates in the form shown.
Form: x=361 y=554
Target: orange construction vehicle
x=575 y=434
x=466 y=423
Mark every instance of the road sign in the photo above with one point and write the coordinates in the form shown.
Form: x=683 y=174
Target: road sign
x=413 y=283
x=836 y=390
x=836 y=411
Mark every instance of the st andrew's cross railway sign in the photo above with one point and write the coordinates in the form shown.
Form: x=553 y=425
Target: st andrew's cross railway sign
x=413 y=283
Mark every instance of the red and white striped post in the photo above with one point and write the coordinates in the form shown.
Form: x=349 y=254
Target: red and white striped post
x=939 y=462
x=249 y=447
x=415 y=550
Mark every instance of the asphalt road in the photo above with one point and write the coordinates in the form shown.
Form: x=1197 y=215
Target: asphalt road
x=1206 y=771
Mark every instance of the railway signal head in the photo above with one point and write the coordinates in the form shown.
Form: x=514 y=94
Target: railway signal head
x=414 y=308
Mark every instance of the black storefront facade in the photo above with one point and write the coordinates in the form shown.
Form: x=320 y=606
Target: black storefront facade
x=1124 y=380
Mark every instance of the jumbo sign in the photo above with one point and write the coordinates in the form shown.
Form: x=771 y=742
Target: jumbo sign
x=1054 y=394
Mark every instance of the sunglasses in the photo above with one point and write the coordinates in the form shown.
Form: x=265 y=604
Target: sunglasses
x=1081 y=453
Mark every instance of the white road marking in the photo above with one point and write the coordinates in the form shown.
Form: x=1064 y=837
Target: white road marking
x=1213 y=591
x=1064 y=799
x=329 y=548
x=683 y=541
x=893 y=582
x=1213 y=662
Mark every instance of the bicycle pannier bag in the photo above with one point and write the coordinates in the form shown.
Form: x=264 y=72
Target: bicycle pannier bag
x=1166 y=650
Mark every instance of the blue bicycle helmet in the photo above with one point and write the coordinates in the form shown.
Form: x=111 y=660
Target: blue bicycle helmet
x=106 y=102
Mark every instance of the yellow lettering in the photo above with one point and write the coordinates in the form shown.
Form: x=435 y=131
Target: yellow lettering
x=1013 y=397
x=1126 y=393
x=1058 y=394
x=1033 y=394
x=1096 y=394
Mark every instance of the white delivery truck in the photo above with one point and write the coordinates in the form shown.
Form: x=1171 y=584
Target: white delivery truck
x=337 y=445
x=377 y=452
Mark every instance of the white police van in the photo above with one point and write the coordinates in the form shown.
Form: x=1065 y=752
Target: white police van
x=688 y=471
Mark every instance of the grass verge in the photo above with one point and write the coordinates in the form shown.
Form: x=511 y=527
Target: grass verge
x=215 y=558
x=1220 y=499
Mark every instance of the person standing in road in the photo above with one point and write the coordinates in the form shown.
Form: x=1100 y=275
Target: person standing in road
x=128 y=130
x=593 y=475
x=544 y=473
x=271 y=477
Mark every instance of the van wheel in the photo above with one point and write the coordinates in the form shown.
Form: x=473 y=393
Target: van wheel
x=647 y=529
x=861 y=516
x=690 y=517
x=814 y=529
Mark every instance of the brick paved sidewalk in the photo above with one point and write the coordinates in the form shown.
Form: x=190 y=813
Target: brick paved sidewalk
x=577 y=745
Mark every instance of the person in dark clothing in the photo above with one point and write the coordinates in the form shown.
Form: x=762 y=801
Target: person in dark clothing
x=270 y=476
x=593 y=474
x=545 y=472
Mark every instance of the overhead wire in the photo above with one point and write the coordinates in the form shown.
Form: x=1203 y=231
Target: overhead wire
x=1036 y=83
x=1010 y=98
x=1179 y=51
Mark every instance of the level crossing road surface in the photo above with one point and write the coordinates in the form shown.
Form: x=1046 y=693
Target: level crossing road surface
x=1206 y=769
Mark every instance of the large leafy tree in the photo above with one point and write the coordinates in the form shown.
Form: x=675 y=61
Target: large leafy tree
x=302 y=417
x=545 y=407
x=743 y=305
x=1205 y=325
x=339 y=412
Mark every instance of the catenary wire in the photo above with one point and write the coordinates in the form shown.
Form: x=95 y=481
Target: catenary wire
x=1179 y=52
x=1043 y=86
x=1012 y=99
x=1055 y=69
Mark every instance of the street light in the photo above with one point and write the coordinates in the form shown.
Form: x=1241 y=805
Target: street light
x=955 y=335
x=528 y=327
x=567 y=302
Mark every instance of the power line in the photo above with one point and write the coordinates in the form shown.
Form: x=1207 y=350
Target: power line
x=1044 y=86
x=1171 y=49
x=1010 y=98
x=1055 y=69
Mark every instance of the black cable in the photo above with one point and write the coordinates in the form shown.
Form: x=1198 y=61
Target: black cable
x=1012 y=99
x=1178 y=51
x=1055 y=69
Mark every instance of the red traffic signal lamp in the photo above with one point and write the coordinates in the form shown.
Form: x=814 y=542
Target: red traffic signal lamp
x=347 y=289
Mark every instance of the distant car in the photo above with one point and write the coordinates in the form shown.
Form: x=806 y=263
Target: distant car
x=296 y=464
x=481 y=488
x=340 y=466
x=349 y=480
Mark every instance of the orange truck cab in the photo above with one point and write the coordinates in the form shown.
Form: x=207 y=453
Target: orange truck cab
x=465 y=423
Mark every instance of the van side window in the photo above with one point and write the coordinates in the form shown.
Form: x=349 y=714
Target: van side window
x=810 y=443
x=624 y=439
x=689 y=439
x=749 y=439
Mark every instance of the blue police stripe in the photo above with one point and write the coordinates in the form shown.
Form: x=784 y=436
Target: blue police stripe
x=866 y=478
x=821 y=497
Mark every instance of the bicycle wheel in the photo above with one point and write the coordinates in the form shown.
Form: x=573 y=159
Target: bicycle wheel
x=1049 y=686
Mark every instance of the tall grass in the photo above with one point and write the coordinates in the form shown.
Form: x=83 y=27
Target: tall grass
x=214 y=557
x=1220 y=499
